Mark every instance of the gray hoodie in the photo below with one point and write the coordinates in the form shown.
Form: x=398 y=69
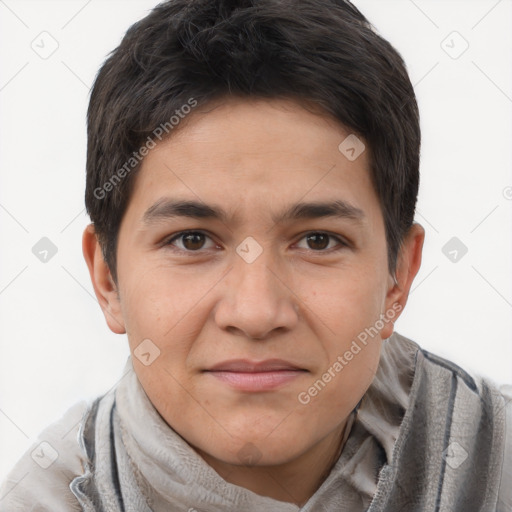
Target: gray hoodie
x=426 y=436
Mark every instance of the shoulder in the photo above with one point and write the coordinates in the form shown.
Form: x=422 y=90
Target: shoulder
x=467 y=409
x=40 y=479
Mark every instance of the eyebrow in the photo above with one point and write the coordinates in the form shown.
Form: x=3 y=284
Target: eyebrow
x=168 y=208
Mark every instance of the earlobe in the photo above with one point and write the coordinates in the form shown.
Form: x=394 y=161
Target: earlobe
x=101 y=278
x=408 y=265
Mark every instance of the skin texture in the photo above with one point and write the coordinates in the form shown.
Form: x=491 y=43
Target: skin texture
x=300 y=300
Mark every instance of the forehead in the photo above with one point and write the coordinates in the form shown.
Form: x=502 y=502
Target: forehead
x=248 y=154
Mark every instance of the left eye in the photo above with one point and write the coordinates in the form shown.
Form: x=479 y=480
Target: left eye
x=319 y=241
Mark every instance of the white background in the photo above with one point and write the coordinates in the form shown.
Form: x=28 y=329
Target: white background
x=55 y=347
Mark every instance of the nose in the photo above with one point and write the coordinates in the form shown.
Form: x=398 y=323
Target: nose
x=256 y=300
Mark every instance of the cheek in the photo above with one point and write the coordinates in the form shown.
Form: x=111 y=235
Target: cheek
x=348 y=304
x=156 y=300
x=344 y=382
x=349 y=309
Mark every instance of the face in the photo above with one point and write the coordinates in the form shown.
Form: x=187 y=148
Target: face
x=244 y=307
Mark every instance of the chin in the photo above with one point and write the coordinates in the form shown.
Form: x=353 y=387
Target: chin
x=256 y=455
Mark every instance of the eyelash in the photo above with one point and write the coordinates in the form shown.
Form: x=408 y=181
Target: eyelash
x=342 y=243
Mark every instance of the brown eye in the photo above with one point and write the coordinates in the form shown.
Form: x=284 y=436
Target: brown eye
x=320 y=241
x=193 y=241
x=189 y=241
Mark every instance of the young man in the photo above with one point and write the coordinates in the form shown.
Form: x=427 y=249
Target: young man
x=252 y=174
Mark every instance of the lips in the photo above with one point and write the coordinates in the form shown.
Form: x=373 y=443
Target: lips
x=246 y=366
x=256 y=376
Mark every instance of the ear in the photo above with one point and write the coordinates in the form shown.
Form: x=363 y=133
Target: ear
x=407 y=266
x=104 y=286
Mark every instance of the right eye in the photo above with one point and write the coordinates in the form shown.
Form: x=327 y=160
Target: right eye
x=189 y=241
